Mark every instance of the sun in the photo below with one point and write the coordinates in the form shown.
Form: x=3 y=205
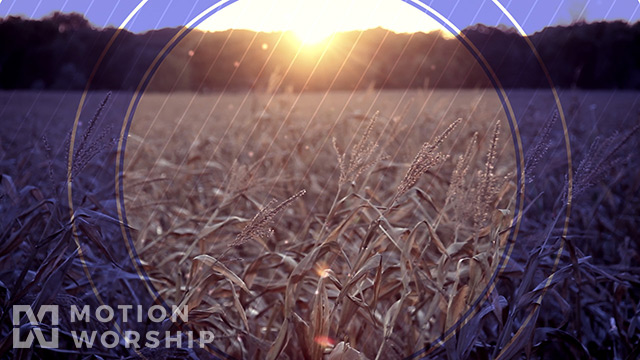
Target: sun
x=311 y=36
x=312 y=22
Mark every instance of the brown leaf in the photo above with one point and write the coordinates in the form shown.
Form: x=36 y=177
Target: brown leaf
x=342 y=351
x=457 y=306
x=279 y=344
x=220 y=268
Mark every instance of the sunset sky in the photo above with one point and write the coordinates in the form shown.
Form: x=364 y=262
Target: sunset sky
x=314 y=19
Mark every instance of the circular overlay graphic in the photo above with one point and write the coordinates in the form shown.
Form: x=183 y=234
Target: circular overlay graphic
x=295 y=200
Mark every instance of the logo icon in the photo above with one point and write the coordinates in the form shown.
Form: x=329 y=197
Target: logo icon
x=35 y=326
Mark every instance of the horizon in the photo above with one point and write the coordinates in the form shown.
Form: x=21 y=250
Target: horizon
x=443 y=31
x=315 y=21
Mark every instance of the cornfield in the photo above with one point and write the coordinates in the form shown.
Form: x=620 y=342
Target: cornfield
x=365 y=225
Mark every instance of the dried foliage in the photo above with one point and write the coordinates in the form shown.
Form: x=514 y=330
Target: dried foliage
x=379 y=270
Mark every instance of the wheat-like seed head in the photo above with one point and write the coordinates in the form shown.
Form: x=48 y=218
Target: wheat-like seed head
x=540 y=147
x=484 y=195
x=87 y=149
x=362 y=157
x=599 y=160
x=426 y=158
x=92 y=123
x=260 y=225
x=457 y=187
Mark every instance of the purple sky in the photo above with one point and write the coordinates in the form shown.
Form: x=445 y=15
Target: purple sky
x=532 y=15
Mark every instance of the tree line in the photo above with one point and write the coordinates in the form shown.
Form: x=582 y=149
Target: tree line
x=61 y=50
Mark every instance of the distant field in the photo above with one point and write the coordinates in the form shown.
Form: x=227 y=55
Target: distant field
x=356 y=224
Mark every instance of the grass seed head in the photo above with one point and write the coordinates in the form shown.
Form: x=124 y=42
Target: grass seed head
x=362 y=157
x=88 y=149
x=427 y=157
x=260 y=225
x=539 y=148
x=489 y=184
x=600 y=159
x=457 y=186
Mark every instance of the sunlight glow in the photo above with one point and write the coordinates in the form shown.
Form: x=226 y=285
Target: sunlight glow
x=324 y=341
x=311 y=36
x=322 y=269
x=314 y=21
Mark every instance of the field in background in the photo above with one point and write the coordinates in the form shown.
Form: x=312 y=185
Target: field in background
x=286 y=245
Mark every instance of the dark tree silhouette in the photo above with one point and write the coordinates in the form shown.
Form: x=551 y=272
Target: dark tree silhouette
x=60 y=51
